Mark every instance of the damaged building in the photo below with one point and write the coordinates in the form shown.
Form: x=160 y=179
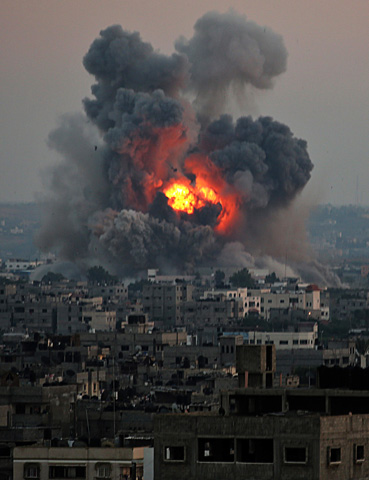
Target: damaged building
x=268 y=433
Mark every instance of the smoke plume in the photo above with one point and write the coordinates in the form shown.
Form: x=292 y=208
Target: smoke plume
x=154 y=173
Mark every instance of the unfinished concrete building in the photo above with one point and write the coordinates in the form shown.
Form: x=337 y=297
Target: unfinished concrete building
x=267 y=433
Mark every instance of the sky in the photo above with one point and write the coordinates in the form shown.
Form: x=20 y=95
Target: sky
x=323 y=96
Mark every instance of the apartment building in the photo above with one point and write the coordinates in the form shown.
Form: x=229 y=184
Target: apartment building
x=307 y=300
x=43 y=463
x=284 y=340
x=163 y=302
x=267 y=433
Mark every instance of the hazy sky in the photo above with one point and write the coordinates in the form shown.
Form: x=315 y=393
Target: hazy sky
x=323 y=96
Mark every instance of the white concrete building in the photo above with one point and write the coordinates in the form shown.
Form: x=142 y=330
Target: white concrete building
x=43 y=463
x=303 y=339
x=307 y=300
x=283 y=340
x=18 y=265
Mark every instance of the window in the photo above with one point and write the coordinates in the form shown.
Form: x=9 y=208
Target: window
x=334 y=455
x=60 y=471
x=5 y=452
x=359 y=456
x=20 y=409
x=103 y=470
x=216 y=450
x=31 y=470
x=283 y=342
x=303 y=342
x=125 y=473
x=174 y=454
x=295 y=455
x=255 y=450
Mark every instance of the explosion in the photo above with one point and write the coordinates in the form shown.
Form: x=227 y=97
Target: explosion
x=155 y=174
x=209 y=189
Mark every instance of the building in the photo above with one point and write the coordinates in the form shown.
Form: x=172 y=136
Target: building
x=163 y=302
x=43 y=463
x=273 y=446
x=303 y=336
x=269 y=433
x=306 y=300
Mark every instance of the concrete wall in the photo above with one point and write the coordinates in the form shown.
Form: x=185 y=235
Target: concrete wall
x=344 y=432
x=115 y=459
x=280 y=432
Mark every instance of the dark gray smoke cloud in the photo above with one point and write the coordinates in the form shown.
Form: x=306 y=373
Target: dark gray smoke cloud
x=106 y=203
x=261 y=158
x=228 y=52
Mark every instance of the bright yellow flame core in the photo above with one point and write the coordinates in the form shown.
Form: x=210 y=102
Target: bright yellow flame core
x=185 y=199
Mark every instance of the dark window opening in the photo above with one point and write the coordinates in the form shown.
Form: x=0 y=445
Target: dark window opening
x=216 y=449
x=269 y=358
x=359 y=453
x=269 y=380
x=31 y=471
x=295 y=455
x=5 y=452
x=255 y=450
x=67 y=472
x=334 y=455
x=174 y=454
x=20 y=409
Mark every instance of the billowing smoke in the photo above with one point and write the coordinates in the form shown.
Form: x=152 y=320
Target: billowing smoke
x=227 y=52
x=155 y=174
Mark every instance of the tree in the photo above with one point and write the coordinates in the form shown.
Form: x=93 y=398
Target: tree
x=219 y=279
x=52 y=277
x=272 y=278
x=242 y=279
x=100 y=275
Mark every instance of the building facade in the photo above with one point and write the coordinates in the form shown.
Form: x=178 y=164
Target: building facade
x=109 y=463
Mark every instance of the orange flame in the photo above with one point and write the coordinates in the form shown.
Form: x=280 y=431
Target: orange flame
x=209 y=188
x=185 y=198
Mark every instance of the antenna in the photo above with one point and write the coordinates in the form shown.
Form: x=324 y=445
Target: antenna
x=285 y=267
